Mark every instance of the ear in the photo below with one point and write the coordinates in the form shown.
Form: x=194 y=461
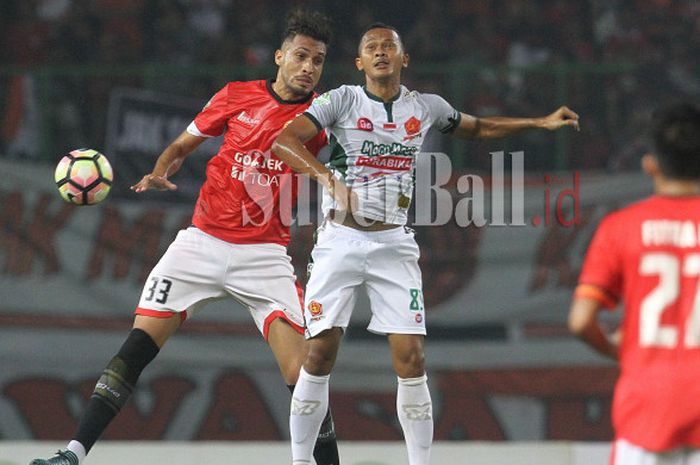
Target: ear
x=650 y=165
x=358 y=63
x=278 y=57
x=406 y=59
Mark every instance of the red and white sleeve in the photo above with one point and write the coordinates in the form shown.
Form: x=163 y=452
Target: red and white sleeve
x=211 y=121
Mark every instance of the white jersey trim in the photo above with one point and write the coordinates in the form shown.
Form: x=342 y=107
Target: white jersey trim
x=194 y=130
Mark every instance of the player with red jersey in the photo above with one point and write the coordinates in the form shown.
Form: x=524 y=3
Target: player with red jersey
x=236 y=246
x=243 y=198
x=648 y=256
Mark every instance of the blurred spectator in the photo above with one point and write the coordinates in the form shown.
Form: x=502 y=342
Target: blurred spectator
x=609 y=59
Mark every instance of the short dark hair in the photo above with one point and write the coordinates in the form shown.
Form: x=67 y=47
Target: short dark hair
x=308 y=23
x=675 y=131
x=380 y=25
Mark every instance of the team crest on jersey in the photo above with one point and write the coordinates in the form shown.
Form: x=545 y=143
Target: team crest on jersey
x=315 y=308
x=412 y=127
x=365 y=124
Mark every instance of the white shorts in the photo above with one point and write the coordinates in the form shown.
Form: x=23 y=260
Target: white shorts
x=198 y=268
x=384 y=262
x=626 y=453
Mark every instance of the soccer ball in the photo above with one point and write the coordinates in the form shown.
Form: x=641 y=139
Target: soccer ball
x=84 y=177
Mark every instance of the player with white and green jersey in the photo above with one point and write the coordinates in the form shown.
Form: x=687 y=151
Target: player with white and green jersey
x=376 y=132
x=374 y=144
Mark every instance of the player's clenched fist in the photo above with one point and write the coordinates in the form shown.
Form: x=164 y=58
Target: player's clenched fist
x=564 y=116
x=344 y=197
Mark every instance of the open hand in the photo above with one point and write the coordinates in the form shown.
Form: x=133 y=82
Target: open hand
x=564 y=116
x=151 y=181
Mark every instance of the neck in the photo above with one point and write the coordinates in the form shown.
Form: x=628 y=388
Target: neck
x=676 y=188
x=385 y=89
x=284 y=92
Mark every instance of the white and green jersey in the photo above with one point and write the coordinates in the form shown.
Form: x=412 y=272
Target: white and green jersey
x=374 y=144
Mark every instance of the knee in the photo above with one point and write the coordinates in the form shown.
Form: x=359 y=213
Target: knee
x=410 y=363
x=322 y=352
x=319 y=361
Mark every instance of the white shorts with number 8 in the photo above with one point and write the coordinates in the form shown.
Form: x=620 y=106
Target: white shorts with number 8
x=384 y=262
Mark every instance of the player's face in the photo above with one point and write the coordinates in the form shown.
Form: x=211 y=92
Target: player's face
x=300 y=64
x=381 y=54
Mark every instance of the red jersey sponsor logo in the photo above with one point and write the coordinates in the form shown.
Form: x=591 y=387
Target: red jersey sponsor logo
x=247 y=119
x=258 y=159
x=393 y=163
x=412 y=127
x=365 y=124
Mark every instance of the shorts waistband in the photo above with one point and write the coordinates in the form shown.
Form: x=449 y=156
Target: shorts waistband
x=388 y=235
x=195 y=230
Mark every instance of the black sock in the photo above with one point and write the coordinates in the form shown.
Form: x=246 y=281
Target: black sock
x=326 y=447
x=115 y=386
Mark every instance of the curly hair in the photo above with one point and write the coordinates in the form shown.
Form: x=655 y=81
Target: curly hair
x=308 y=23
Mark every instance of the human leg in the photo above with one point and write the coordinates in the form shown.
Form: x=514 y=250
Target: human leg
x=394 y=287
x=175 y=286
x=413 y=402
x=116 y=385
x=290 y=348
x=264 y=282
x=330 y=299
x=310 y=397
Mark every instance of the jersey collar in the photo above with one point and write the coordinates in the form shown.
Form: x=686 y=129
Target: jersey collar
x=375 y=98
x=274 y=94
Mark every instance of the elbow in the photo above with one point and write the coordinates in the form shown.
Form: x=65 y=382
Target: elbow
x=580 y=321
x=576 y=326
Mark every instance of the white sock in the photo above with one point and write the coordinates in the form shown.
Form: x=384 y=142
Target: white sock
x=415 y=411
x=308 y=408
x=78 y=449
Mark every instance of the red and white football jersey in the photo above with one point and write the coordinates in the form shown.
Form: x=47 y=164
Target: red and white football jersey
x=249 y=193
x=648 y=256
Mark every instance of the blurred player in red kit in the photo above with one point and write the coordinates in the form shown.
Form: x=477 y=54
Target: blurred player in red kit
x=236 y=246
x=648 y=256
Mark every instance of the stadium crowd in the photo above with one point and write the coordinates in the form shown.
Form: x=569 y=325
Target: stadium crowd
x=611 y=60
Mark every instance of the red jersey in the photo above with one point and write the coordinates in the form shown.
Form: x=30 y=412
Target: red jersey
x=648 y=255
x=249 y=193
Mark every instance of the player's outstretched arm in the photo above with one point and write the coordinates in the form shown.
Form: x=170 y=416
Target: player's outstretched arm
x=584 y=324
x=471 y=127
x=169 y=163
x=289 y=147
